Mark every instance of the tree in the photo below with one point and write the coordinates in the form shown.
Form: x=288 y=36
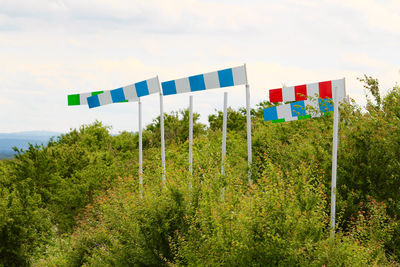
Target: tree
x=176 y=128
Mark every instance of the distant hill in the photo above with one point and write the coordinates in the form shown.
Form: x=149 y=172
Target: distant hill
x=22 y=140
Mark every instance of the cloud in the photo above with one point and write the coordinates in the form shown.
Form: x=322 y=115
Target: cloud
x=195 y=16
x=5 y=101
x=382 y=15
x=49 y=49
x=363 y=60
x=155 y=16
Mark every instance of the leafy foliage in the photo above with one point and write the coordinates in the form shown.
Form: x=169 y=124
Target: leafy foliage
x=76 y=201
x=176 y=128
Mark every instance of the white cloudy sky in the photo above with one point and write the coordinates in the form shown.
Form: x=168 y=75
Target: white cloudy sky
x=51 y=48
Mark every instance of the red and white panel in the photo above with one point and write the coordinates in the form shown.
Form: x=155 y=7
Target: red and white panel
x=303 y=92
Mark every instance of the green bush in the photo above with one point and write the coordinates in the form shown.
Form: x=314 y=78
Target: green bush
x=77 y=201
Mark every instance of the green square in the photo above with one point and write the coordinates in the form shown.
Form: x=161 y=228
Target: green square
x=74 y=100
x=304 y=117
x=278 y=120
x=97 y=93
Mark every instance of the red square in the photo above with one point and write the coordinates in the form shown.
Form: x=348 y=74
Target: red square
x=325 y=89
x=300 y=92
x=275 y=95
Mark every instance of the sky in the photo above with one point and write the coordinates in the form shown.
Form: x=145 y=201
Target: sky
x=52 y=48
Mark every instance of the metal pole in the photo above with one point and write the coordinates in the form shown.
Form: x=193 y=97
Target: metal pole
x=190 y=136
x=336 y=117
x=140 y=148
x=162 y=136
x=224 y=125
x=248 y=122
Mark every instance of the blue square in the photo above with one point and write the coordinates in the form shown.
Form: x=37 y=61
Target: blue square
x=298 y=108
x=325 y=105
x=270 y=114
x=169 y=88
x=141 y=88
x=225 y=78
x=93 y=101
x=197 y=83
x=117 y=95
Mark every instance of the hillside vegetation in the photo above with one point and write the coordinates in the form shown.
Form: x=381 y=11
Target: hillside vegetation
x=77 y=202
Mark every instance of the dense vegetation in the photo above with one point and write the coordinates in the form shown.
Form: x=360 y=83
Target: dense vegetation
x=76 y=201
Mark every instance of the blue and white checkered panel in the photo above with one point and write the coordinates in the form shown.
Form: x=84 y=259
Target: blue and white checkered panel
x=129 y=93
x=147 y=87
x=291 y=111
x=143 y=88
x=102 y=99
x=210 y=80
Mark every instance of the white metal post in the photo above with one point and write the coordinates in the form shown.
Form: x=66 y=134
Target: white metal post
x=248 y=122
x=162 y=136
x=336 y=117
x=140 y=147
x=190 y=135
x=224 y=126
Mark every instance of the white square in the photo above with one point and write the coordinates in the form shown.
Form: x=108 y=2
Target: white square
x=182 y=85
x=239 y=75
x=211 y=80
x=312 y=107
x=83 y=98
x=153 y=85
x=130 y=92
x=338 y=85
x=105 y=98
x=288 y=94
x=313 y=90
x=284 y=112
